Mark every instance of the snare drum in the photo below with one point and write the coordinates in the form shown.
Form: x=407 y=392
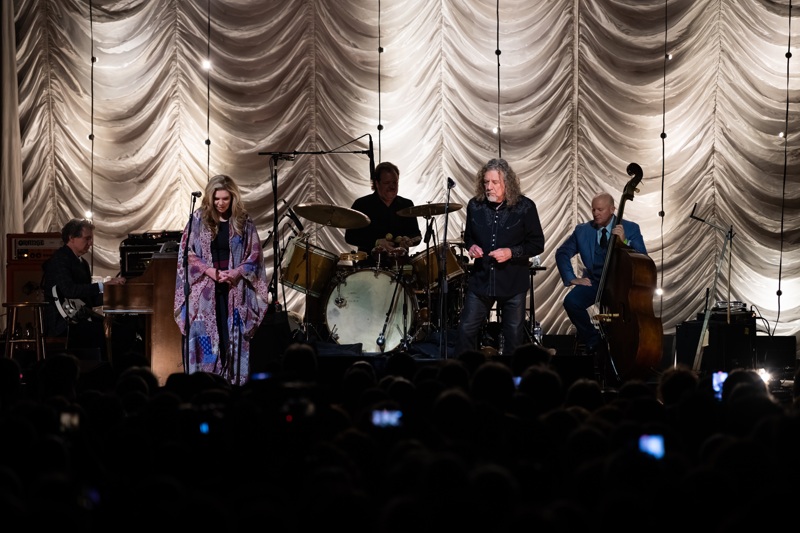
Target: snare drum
x=426 y=266
x=307 y=277
x=357 y=306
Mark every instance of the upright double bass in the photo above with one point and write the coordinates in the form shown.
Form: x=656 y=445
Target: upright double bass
x=625 y=302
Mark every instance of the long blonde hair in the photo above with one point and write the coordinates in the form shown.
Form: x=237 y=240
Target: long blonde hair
x=210 y=217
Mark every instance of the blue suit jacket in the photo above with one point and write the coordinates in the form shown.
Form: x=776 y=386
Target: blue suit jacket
x=583 y=241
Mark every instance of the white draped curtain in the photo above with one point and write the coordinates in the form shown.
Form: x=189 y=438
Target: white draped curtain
x=568 y=91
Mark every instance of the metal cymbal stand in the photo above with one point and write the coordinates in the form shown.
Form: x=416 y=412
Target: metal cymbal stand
x=381 y=341
x=429 y=266
x=443 y=275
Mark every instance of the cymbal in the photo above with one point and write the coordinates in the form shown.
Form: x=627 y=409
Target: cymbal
x=353 y=256
x=332 y=215
x=428 y=210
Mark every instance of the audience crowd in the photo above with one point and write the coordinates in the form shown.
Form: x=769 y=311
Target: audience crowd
x=450 y=445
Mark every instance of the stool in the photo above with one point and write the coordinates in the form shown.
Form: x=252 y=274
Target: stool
x=38 y=326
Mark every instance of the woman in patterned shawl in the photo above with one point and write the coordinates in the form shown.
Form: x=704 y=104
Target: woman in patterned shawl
x=228 y=292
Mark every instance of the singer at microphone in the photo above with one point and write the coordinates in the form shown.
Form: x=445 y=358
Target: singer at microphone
x=221 y=260
x=388 y=233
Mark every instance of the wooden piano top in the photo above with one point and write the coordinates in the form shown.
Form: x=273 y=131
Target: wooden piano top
x=139 y=294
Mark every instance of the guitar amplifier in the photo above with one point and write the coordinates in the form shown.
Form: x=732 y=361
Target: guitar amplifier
x=136 y=252
x=25 y=255
x=31 y=247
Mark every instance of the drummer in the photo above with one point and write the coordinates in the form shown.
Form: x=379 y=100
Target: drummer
x=389 y=236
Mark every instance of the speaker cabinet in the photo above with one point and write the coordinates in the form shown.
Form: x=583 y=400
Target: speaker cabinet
x=729 y=345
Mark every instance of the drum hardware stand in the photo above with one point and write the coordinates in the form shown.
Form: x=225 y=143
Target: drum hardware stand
x=405 y=335
x=534 y=333
x=443 y=275
x=381 y=341
x=429 y=266
x=308 y=326
x=307 y=259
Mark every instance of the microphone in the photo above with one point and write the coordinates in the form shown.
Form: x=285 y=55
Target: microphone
x=450 y=183
x=197 y=194
x=295 y=219
x=371 y=154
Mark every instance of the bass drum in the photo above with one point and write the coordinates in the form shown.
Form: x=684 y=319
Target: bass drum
x=356 y=310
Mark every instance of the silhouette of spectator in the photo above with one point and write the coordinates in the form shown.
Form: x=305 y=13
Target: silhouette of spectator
x=10 y=382
x=401 y=364
x=454 y=373
x=357 y=378
x=58 y=375
x=299 y=362
x=675 y=384
x=543 y=386
x=586 y=393
x=472 y=359
x=493 y=385
x=529 y=354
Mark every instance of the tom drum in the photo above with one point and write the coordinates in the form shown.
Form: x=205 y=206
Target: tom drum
x=426 y=266
x=310 y=276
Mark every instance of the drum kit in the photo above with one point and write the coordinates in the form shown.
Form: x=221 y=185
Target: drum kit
x=377 y=307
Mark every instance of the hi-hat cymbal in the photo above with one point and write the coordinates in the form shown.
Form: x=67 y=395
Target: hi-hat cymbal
x=353 y=256
x=428 y=210
x=333 y=215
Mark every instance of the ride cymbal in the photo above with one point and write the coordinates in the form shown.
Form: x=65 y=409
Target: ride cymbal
x=428 y=210
x=333 y=215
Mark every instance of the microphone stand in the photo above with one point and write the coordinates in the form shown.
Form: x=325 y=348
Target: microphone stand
x=186 y=288
x=290 y=156
x=274 y=306
x=443 y=278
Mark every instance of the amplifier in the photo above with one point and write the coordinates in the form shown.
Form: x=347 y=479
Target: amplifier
x=31 y=247
x=136 y=252
x=736 y=317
